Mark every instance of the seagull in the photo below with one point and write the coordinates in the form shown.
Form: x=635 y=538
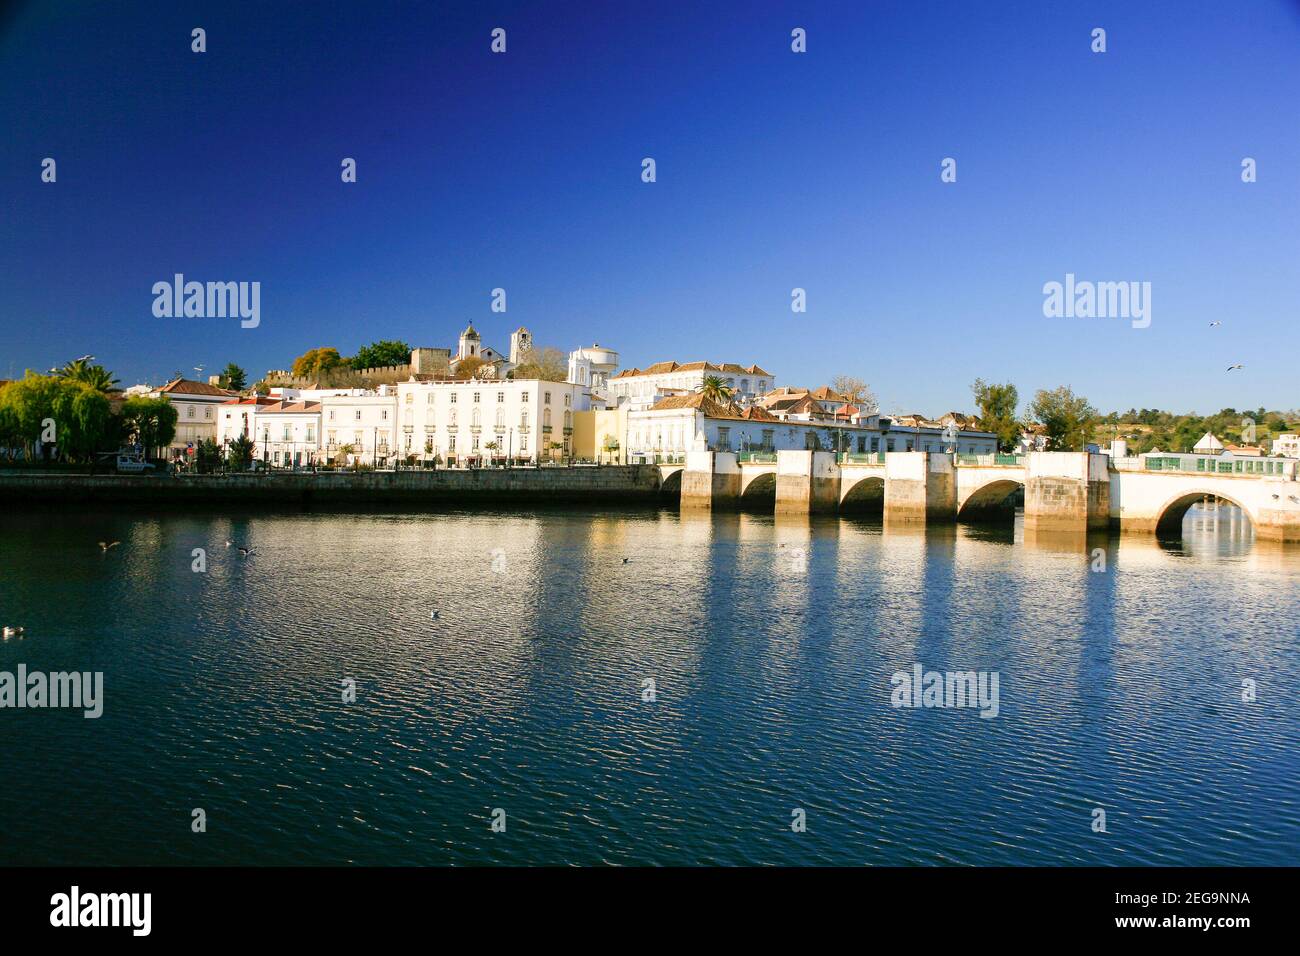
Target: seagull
x=1238 y=365
x=247 y=552
x=229 y=543
x=14 y=632
x=105 y=545
x=86 y=358
x=626 y=560
x=433 y=615
x=1213 y=324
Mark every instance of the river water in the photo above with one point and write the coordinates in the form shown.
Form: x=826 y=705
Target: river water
x=770 y=643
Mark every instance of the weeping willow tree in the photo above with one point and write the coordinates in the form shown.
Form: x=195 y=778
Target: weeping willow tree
x=65 y=416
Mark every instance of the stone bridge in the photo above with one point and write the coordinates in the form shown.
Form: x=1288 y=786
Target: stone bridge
x=1066 y=491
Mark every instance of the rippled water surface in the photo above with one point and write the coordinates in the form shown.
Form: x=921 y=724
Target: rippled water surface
x=770 y=643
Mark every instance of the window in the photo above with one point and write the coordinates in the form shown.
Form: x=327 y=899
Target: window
x=567 y=396
x=523 y=397
x=769 y=436
x=568 y=419
x=331 y=414
x=189 y=411
x=288 y=433
x=358 y=414
x=548 y=398
x=474 y=444
x=523 y=416
x=207 y=414
x=724 y=438
x=501 y=396
x=477 y=420
x=409 y=398
x=451 y=419
x=476 y=396
x=523 y=443
x=311 y=433
x=501 y=418
x=453 y=398
x=546 y=417
x=384 y=414
x=430 y=398
x=451 y=445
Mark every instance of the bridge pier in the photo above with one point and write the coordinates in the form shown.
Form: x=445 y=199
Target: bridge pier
x=711 y=479
x=1067 y=491
x=807 y=482
x=920 y=487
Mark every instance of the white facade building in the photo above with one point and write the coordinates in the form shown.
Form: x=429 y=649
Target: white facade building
x=196 y=412
x=288 y=434
x=592 y=367
x=456 y=421
x=1287 y=445
x=643 y=388
x=682 y=423
x=365 y=423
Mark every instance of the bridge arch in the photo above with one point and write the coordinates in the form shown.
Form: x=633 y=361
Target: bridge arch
x=865 y=495
x=671 y=486
x=1169 y=518
x=759 y=491
x=991 y=502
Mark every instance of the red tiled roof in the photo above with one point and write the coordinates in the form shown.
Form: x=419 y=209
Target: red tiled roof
x=711 y=409
x=185 y=386
x=290 y=408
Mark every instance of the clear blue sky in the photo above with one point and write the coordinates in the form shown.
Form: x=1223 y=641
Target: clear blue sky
x=775 y=170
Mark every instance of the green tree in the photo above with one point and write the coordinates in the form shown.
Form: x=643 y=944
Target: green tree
x=715 y=389
x=81 y=415
x=234 y=378
x=149 y=421
x=240 y=453
x=207 y=456
x=1067 y=419
x=997 y=405
x=314 y=361
x=381 y=354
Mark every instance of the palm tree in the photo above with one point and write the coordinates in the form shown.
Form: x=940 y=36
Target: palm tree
x=95 y=376
x=715 y=389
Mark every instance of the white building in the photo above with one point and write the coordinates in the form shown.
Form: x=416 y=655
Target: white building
x=457 y=420
x=592 y=367
x=238 y=417
x=288 y=433
x=1287 y=445
x=643 y=388
x=681 y=423
x=364 y=423
x=196 y=412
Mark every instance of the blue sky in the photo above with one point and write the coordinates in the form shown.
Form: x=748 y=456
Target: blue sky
x=775 y=170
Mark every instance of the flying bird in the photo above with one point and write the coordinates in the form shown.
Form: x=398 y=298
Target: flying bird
x=433 y=615
x=1231 y=367
x=247 y=552
x=86 y=358
x=105 y=545
x=229 y=543
x=14 y=632
x=626 y=560
x=1213 y=324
